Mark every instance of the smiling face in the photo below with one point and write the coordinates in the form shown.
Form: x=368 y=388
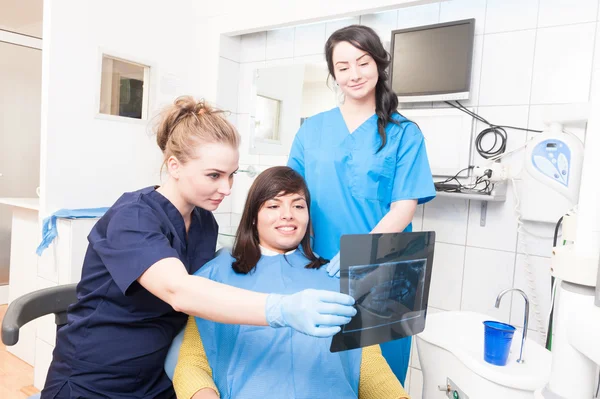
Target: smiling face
x=282 y=222
x=206 y=179
x=355 y=71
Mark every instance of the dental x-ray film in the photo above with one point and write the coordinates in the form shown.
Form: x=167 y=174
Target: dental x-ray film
x=388 y=275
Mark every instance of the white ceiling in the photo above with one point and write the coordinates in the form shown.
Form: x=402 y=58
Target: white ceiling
x=22 y=16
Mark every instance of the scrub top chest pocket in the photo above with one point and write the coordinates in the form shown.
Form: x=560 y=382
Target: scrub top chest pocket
x=371 y=174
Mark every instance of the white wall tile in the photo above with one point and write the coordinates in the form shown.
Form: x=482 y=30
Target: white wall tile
x=309 y=39
x=239 y=192
x=539 y=115
x=416 y=384
x=464 y=9
x=507 y=68
x=223 y=219
x=447 y=276
x=279 y=62
x=500 y=230
x=307 y=59
x=540 y=269
x=225 y=206
x=227 y=85
x=280 y=43
x=417 y=222
x=332 y=26
x=230 y=47
x=418 y=15
x=487 y=272
x=246 y=88
x=253 y=47
x=272 y=160
x=382 y=23
x=232 y=117
x=564 y=12
x=235 y=219
x=510 y=15
x=243 y=126
x=476 y=67
x=563 y=64
x=448 y=218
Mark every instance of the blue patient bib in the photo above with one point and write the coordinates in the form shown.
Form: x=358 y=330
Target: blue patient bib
x=250 y=362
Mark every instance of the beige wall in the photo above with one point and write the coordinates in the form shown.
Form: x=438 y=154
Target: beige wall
x=20 y=93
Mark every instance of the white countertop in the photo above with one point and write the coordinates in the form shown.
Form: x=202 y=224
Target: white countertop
x=27 y=203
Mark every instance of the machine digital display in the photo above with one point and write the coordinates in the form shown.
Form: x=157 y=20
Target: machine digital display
x=388 y=275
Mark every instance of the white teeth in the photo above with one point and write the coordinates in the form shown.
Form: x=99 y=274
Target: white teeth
x=285 y=228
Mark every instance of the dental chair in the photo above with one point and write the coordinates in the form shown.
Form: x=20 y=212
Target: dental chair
x=56 y=300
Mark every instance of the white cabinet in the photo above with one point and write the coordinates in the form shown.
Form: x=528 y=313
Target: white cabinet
x=59 y=264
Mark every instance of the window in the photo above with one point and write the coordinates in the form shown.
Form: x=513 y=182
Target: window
x=123 y=88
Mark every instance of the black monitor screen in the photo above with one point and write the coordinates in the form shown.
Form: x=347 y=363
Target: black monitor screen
x=433 y=59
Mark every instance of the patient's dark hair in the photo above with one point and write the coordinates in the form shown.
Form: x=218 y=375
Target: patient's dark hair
x=279 y=180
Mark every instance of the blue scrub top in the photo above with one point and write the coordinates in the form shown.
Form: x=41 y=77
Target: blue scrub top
x=250 y=362
x=118 y=333
x=352 y=185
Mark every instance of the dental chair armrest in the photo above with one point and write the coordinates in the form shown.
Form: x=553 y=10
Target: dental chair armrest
x=37 y=304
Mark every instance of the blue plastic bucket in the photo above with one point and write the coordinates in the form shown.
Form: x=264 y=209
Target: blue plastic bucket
x=497 y=340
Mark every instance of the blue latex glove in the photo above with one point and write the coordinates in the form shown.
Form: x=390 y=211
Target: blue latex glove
x=317 y=313
x=333 y=267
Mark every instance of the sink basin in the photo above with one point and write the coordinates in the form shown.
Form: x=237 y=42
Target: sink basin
x=451 y=346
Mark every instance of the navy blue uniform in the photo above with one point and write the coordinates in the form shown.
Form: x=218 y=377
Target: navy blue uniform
x=118 y=334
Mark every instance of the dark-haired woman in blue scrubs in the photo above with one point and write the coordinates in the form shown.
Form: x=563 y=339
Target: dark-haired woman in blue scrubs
x=137 y=284
x=365 y=164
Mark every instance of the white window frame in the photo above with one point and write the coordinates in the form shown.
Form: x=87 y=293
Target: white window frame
x=148 y=67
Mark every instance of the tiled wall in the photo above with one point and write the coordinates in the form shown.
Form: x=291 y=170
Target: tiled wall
x=531 y=56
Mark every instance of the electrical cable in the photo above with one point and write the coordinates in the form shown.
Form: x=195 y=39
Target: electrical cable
x=500 y=136
x=553 y=288
x=459 y=187
x=529 y=272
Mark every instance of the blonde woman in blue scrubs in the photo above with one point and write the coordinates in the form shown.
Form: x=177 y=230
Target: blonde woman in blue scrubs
x=365 y=164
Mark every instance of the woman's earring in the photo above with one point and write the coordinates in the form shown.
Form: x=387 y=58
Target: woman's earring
x=339 y=95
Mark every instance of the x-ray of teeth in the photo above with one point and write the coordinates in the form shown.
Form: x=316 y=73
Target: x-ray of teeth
x=388 y=275
x=386 y=293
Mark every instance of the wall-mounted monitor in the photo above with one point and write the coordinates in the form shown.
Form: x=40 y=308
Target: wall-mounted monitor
x=433 y=62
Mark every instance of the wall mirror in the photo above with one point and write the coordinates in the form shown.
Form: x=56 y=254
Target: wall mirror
x=283 y=97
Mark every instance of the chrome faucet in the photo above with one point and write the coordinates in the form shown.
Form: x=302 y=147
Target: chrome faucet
x=525 y=321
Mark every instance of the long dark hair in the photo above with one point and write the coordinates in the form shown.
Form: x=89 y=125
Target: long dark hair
x=365 y=38
x=275 y=181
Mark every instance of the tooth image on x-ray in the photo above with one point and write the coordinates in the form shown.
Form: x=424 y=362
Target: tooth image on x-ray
x=385 y=293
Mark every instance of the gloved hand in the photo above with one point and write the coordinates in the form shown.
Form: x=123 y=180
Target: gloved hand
x=333 y=267
x=312 y=312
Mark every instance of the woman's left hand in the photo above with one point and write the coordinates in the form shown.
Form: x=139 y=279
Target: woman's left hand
x=333 y=267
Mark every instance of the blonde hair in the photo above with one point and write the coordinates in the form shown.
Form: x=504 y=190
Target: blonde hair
x=187 y=123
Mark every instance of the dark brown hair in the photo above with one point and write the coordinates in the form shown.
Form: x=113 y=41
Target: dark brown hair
x=187 y=123
x=275 y=181
x=364 y=38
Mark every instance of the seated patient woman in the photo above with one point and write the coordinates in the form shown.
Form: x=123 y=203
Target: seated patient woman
x=272 y=253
